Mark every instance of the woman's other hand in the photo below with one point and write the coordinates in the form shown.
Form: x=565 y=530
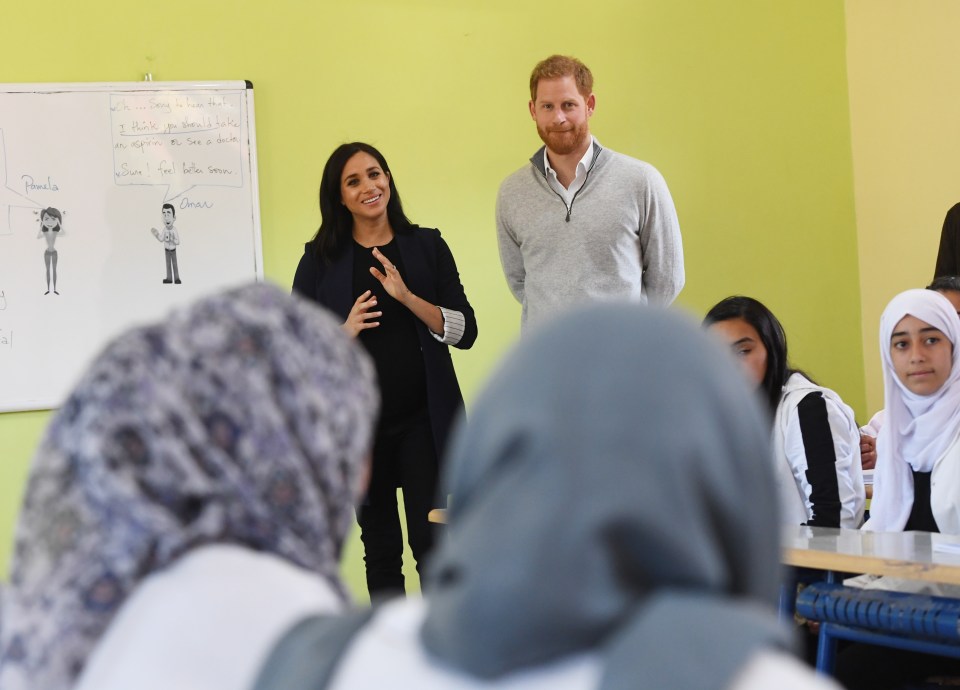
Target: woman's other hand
x=390 y=278
x=392 y=282
x=359 y=317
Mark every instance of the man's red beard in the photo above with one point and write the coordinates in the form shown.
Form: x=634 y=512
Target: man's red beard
x=564 y=142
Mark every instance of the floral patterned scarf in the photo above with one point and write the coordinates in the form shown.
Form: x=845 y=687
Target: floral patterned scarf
x=244 y=419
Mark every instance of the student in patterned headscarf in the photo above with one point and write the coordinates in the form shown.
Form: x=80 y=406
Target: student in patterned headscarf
x=190 y=499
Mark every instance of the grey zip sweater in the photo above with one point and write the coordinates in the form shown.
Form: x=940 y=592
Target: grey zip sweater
x=618 y=239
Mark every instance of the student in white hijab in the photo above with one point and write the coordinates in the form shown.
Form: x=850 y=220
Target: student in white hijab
x=917 y=476
x=189 y=501
x=949 y=287
x=613 y=525
x=917 y=479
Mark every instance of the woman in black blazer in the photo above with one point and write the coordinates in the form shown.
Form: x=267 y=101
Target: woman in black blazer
x=397 y=288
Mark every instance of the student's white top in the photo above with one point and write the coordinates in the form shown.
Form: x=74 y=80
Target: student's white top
x=387 y=652
x=945 y=490
x=208 y=622
x=872 y=428
x=804 y=490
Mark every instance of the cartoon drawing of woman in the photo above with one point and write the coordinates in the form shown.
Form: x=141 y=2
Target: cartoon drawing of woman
x=51 y=226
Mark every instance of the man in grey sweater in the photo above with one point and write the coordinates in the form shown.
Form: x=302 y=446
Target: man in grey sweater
x=580 y=221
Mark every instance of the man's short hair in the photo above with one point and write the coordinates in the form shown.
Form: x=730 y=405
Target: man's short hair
x=941 y=283
x=172 y=209
x=559 y=66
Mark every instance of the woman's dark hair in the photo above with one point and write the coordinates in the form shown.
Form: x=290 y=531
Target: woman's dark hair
x=336 y=221
x=771 y=335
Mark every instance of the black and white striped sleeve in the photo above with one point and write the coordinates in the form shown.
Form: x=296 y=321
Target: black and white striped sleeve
x=453 y=326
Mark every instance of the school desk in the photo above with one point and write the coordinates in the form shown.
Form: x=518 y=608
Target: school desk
x=908 y=555
x=914 y=622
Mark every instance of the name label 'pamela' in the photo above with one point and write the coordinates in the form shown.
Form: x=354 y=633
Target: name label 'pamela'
x=31 y=185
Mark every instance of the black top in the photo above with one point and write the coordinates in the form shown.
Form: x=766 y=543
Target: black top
x=431 y=273
x=821 y=460
x=948 y=257
x=921 y=514
x=393 y=344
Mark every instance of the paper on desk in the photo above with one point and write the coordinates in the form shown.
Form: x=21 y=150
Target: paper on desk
x=861 y=581
x=946 y=547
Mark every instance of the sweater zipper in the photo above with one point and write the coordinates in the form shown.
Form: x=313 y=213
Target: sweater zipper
x=560 y=196
x=585 y=178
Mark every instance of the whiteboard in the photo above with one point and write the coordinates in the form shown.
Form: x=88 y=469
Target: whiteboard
x=106 y=158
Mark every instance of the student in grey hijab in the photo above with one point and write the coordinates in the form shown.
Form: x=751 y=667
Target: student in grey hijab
x=189 y=501
x=613 y=524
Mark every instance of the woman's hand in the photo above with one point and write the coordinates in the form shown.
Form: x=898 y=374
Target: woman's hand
x=359 y=317
x=396 y=288
x=390 y=278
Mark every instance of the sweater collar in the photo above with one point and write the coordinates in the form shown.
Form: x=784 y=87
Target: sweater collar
x=537 y=158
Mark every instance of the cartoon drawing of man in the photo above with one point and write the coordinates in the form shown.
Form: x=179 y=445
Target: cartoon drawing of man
x=170 y=239
x=51 y=227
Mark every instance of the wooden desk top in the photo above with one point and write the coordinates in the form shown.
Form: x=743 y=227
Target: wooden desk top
x=908 y=555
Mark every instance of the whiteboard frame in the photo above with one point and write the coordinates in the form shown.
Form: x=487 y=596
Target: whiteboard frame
x=77 y=87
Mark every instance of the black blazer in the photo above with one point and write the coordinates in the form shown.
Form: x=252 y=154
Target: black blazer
x=431 y=275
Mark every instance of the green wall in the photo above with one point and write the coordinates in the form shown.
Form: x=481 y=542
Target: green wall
x=742 y=106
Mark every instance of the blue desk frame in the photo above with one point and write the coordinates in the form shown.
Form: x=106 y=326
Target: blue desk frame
x=846 y=613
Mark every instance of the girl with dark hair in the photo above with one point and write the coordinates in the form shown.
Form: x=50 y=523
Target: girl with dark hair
x=397 y=289
x=816 y=440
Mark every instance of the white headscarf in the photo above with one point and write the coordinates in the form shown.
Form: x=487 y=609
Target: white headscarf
x=918 y=428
